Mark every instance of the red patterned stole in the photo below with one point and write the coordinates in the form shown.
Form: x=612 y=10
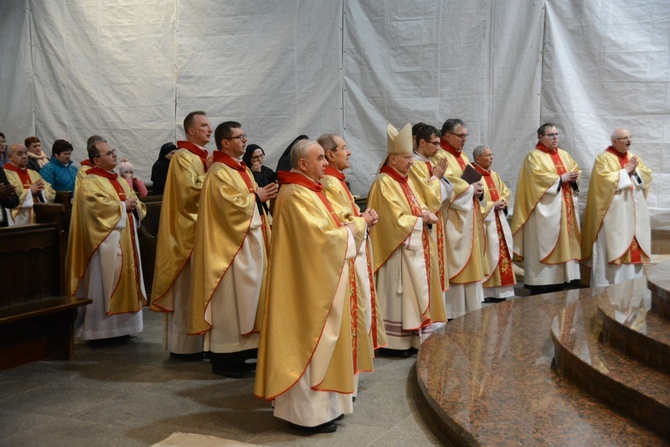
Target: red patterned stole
x=440 y=236
x=456 y=153
x=26 y=181
x=634 y=251
x=416 y=211
x=195 y=150
x=22 y=173
x=504 y=260
x=566 y=189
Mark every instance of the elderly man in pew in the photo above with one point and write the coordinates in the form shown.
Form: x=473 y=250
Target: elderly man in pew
x=103 y=258
x=30 y=186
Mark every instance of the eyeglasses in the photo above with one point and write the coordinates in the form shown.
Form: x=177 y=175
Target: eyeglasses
x=108 y=154
x=462 y=136
x=239 y=137
x=552 y=135
x=434 y=143
x=624 y=138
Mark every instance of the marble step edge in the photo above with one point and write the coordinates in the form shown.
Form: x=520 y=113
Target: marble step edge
x=613 y=389
x=642 y=336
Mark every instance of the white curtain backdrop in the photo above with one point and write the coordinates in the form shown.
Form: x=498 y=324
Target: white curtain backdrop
x=131 y=70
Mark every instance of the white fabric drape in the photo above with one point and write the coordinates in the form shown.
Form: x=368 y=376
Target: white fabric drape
x=132 y=70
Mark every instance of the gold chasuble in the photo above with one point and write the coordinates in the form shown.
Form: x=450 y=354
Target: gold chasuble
x=369 y=331
x=22 y=179
x=308 y=257
x=622 y=214
x=466 y=241
x=499 y=236
x=227 y=205
x=539 y=172
x=397 y=202
x=96 y=211
x=179 y=212
x=429 y=190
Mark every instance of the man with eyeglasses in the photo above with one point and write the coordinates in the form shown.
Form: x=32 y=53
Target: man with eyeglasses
x=545 y=225
x=464 y=227
x=103 y=255
x=499 y=284
x=427 y=173
x=228 y=282
x=369 y=328
x=616 y=237
x=176 y=233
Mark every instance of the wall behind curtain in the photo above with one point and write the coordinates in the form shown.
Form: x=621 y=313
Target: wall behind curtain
x=131 y=70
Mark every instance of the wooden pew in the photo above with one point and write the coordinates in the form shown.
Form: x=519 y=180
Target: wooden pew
x=36 y=319
x=146 y=235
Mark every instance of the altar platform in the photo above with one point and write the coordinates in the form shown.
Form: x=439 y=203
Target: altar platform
x=573 y=368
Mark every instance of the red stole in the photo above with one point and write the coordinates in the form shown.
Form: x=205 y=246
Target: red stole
x=456 y=153
x=490 y=184
x=239 y=166
x=634 y=249
x=113 y=179
x=288 y=178
x=22 y=173
x=560 y=170
x=86 y=162
x=504 y=261
x=622 y=156
x=195 y=150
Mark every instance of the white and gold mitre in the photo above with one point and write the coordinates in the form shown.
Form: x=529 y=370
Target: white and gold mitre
x=399 y=143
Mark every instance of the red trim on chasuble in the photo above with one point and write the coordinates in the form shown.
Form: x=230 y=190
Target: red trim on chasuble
x=22 y=173
x=195 y=150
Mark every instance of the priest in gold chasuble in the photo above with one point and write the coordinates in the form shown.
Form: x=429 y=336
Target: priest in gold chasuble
x=176 y=235
x=305 y=357
x=401 y=248
x=369 y=331
x=103 y=253
x=229 y=260
x=616 y=237
x=499 y=284
x=545 y=224
x=466 y=241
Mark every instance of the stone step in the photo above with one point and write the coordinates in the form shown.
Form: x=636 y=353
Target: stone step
x=658 y=279
x=625 y=384
x=629 y=326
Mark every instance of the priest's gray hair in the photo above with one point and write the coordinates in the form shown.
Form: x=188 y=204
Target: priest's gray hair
x=479 y=150
x=13 y=148
x=300 y=150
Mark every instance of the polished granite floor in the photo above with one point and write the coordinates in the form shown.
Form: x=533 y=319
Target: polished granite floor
x=490 y=377
x=133 y=395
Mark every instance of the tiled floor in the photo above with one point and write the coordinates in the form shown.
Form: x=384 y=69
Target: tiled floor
x=132 y=394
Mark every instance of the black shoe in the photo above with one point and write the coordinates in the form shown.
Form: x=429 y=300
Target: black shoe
x=398 y=353
x=328 y=427
x=339 y=418
x=494 y=300
x=194 y=357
